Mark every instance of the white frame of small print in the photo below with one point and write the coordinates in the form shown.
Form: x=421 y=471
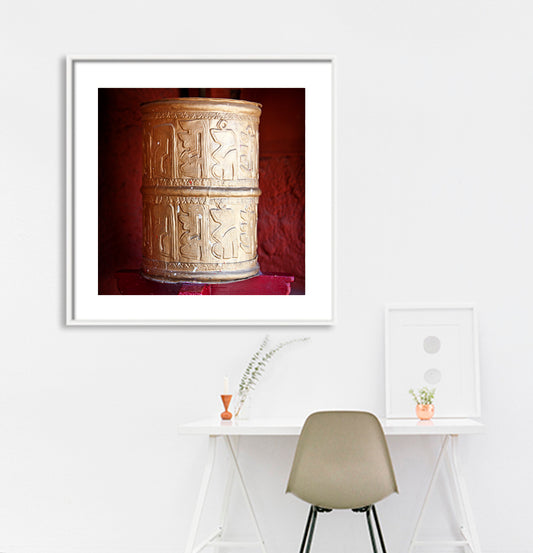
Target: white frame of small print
x=85 y=74
x=435 y=346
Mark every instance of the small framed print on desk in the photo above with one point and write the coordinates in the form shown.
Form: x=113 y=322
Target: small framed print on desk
x=434 y=346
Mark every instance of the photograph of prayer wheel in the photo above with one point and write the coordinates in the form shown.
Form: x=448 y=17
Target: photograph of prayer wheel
x=200 y=189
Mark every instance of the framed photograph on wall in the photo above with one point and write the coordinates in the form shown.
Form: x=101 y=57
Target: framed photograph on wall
x=199 y=190
x=433 y=346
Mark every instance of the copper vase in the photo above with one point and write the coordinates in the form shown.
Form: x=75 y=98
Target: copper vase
x=200 y=189
x=425 y=412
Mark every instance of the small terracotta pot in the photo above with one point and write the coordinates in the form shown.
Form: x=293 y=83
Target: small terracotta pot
x=425 y=412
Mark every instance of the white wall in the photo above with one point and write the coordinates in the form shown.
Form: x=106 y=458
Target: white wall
x=434 y=176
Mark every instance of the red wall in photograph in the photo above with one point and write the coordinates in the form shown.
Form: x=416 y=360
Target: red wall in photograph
x=281 y=222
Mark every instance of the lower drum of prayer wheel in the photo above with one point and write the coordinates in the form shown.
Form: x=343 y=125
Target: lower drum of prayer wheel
x=200 y=189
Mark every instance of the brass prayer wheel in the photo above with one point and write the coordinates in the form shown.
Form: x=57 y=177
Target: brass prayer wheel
x=200 y=189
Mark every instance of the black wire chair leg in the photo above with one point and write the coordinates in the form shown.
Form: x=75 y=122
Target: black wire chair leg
x=376 y=521
x=370 y=531
x=311 y=529
x=306 y=531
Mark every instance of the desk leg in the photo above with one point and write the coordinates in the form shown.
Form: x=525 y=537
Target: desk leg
x=413 y=543
x=466 y=522
x=227 y=493
x=245 y=491
x=202 y=494
x=469 y=532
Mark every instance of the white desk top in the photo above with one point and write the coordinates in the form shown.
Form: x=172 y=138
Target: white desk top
x=292 y=427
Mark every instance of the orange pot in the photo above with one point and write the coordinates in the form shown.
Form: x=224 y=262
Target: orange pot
x=425 y=412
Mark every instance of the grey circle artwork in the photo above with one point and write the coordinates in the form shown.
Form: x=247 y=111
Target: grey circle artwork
x=432 y=376
x=431 y=344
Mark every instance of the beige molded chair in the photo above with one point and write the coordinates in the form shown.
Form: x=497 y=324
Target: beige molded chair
x=342 y=462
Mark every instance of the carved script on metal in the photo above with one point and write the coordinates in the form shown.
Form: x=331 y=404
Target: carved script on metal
x=200 y=189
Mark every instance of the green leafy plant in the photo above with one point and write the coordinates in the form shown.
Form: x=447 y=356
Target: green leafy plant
x=423 y=396
x=256 y=367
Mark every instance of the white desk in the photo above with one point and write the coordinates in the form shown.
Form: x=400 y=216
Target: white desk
x=230 y=431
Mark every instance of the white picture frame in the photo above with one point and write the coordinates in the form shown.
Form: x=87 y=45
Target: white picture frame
x=85 y=75
x=435 y=346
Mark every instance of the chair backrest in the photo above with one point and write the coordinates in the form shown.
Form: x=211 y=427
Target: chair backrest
x=342 y=461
